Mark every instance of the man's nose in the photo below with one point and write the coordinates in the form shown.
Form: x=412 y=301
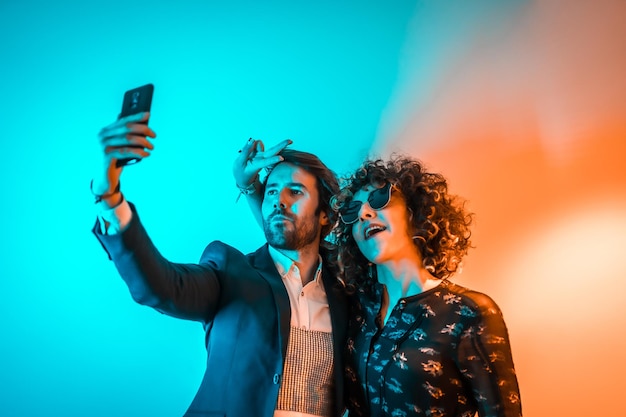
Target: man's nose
x=281 y=200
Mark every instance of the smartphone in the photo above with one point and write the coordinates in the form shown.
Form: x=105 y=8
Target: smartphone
x=137 y=100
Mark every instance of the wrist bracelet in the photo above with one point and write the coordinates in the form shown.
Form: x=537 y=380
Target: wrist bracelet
x=100 y=197
x=247 y=190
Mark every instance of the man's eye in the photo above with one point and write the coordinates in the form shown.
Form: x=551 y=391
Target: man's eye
x=296 y=192
x=270 y=192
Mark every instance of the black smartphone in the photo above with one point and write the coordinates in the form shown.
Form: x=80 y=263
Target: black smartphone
x=137 y=100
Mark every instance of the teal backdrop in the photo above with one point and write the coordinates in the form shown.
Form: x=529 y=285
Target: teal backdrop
x=73 y=341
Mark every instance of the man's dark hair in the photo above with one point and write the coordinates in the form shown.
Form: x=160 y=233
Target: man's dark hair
x=327 y=184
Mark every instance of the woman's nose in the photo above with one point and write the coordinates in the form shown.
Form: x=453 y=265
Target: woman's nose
x=366 y=211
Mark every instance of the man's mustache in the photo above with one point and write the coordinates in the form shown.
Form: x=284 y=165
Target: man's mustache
x=281 y=213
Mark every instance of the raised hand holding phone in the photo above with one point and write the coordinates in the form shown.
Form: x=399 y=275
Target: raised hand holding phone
x=124 y=141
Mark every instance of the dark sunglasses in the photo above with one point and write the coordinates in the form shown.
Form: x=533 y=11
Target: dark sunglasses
x=378 y=200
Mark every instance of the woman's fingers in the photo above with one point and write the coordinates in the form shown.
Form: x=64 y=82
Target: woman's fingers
x=258 y=164
x=247 y=148
x=262 y=158
x=241 y=167
x=274 y=150
x=253 y=157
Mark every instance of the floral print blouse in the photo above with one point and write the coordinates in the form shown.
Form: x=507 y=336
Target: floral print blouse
x=444 y=352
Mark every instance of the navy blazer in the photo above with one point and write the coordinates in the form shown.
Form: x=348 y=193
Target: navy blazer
x=244 y=307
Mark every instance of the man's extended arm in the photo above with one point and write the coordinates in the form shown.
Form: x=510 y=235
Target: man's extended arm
x=188 y=291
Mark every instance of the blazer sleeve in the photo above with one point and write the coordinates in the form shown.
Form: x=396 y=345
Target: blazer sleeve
x=186 y=291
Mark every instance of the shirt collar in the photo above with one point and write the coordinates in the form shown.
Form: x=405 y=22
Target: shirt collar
x=284 y=264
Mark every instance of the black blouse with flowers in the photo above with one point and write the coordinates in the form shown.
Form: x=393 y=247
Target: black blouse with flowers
x=444 y=352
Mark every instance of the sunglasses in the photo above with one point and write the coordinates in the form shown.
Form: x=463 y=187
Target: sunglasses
x=378 y=200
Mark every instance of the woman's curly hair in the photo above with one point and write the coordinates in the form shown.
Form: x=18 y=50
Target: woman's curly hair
x=440 y=220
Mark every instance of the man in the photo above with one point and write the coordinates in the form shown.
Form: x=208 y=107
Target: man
x=275 y=319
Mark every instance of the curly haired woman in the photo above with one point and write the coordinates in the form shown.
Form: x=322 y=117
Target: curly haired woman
x=421 y=345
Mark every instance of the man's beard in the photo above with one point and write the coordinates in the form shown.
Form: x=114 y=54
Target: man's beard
x=300 y=234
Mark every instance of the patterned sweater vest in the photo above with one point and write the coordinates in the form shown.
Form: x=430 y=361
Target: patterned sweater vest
x=307 y=385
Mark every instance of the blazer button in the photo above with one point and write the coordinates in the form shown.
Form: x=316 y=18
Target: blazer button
x=276 y=378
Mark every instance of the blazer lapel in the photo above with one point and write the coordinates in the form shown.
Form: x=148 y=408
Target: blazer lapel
x=338 y=305
x=263 y=263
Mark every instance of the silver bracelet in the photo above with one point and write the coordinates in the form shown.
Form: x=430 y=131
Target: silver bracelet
x=247 y=190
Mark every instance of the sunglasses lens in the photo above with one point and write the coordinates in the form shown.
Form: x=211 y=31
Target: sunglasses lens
x=350 y=213
x=380 y=197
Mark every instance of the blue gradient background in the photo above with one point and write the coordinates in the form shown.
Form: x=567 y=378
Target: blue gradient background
x=74 y=343
x=343 y=80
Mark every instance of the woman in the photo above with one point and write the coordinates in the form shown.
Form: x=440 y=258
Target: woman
x=420 y=345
